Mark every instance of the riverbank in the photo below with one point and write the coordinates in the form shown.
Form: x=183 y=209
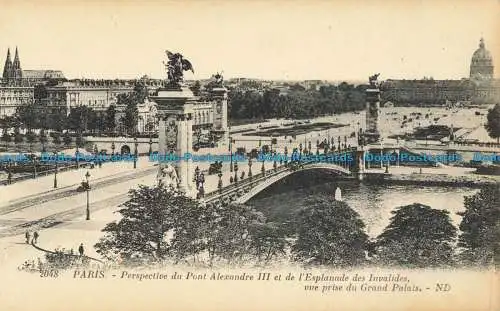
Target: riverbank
x=427 y=179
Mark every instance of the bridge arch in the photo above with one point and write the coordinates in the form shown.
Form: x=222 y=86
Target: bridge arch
x=261 y=186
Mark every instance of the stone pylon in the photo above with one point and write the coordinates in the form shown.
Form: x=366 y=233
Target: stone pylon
x=175 y=137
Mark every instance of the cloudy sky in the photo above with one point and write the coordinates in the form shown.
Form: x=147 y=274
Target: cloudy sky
x=334 y=40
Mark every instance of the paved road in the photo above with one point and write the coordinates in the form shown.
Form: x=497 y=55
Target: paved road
x=70 y=191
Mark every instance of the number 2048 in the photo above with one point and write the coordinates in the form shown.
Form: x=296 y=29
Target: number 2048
x=49 y=273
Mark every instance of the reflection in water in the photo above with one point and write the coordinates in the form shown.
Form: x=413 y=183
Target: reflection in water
x=373 y=202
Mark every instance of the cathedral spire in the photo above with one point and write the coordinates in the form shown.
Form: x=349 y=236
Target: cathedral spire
x=7 y=69
x=16 y=67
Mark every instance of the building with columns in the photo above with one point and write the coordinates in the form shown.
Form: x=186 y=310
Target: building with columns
x=480 y=87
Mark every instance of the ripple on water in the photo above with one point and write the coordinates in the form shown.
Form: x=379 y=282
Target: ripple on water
x=374 y=203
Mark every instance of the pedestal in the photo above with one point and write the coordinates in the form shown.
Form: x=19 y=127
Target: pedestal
x=175 y=138
x=220 y=122
x=372 y=134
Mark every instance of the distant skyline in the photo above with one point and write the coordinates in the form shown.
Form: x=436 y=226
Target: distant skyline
x=273 y=40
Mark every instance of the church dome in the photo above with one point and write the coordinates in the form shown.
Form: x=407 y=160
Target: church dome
x=481 y=63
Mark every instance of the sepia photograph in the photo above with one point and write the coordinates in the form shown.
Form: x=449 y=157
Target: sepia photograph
x=250 y=155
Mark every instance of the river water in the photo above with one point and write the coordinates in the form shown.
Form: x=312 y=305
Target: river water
x=373 y=202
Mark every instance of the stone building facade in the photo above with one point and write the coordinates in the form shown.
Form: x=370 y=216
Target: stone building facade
x=51 y=91
x=480 y=87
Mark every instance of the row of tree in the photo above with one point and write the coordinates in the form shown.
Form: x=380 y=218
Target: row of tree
x=297 y=102
x=30 y=137
x=162 y=225
x=81 y=118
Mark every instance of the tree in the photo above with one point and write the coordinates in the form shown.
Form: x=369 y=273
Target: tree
x=329 y=233
x=56 y=138
x=480 y=227
x=148 y=217
x=493 y=123
x=18 y=137
x=110 y=118
x=6 y=136
x=268 y=241
x=43 y=139
x=78 y=118
x=195 y=88
x=417 y=236
x=131 y=118
x=28 y=116
x=229 y=237
x=67 y=139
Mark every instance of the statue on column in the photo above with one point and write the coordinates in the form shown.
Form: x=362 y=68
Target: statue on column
x=175 y=66
x=373 y=80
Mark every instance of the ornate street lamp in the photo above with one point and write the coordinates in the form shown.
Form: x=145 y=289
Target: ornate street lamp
x=219 y=185
x=200 y=181
x=9 y=175
x=135 y=152
x=34 y=166
x=76 y=155
x=231 y=154
x=235 y=172
x=150 y=144
x=55 y=170
x=87 y=188
x=249 y=167
x=113 y=148
x=286 y=155
x=263 y=168
x=196 y=174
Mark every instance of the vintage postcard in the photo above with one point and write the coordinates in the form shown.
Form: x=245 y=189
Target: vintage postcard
x=250 y=155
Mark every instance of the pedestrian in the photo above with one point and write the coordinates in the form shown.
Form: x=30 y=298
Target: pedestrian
x=35 y=237
x=27 y=235
x=80 y=249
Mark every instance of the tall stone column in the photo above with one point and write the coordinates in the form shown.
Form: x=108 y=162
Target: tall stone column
x=175 y=138
x=372 y=133
x=220 y=121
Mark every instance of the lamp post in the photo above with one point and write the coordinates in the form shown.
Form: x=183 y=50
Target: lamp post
x=113 y=148
x=235 y=172
x=76 y=155
x=55 y=170
x=150 y=144
x=87 y=188
x=135 y=152
x=219 y=185
x=196 y=174
x=249 y=167
x=34 y=166
x=200 y=181
x=9 y=175
x=231 y=154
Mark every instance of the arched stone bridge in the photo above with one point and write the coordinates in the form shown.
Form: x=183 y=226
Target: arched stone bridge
x=244 y=190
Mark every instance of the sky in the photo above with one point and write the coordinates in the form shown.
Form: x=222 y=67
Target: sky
x=292 y=40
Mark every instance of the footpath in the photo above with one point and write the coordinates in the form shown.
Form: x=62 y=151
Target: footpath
x=33 y=189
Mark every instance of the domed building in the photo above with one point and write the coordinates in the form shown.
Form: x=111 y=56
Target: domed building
x=481 y=66
x=480 y=88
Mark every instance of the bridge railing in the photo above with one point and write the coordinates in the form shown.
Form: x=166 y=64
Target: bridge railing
x=255 y=179
x=248 y=181
x=60 y=169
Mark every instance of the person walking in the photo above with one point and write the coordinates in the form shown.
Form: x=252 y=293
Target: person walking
x=80 y=249
x=27 y=235
x=35 y=237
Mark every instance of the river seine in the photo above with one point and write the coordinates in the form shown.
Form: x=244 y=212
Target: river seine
x=373 y=202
